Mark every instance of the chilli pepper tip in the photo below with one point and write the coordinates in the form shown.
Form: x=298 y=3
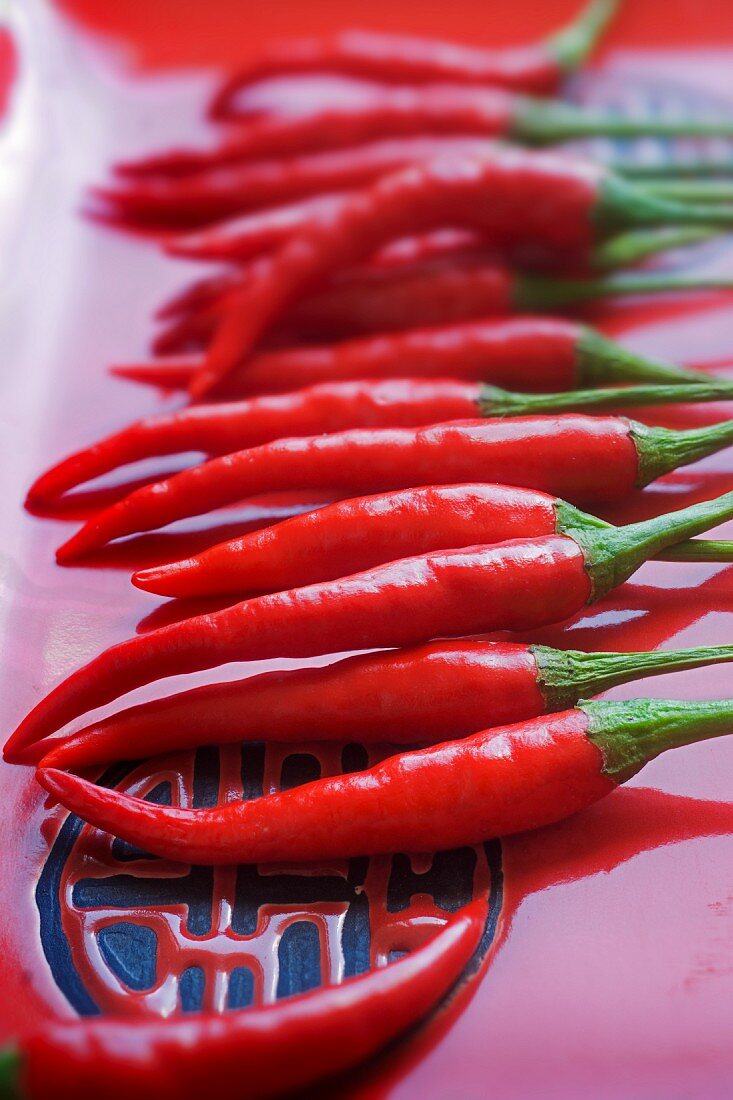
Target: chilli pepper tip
x=284 y=1047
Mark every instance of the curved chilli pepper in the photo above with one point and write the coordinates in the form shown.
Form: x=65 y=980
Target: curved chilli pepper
x=232 y=189
x=436 y=109
x=512 y=196
x=439 y=691
x=402 y=59
x=514 y=585
x=465 y=289
x=401 y=254
x=253 y=234
x=198 y=309
x=581 y=458
x=501 y=781
x=459 y=294
x=266 y=1051
x=334 y=406
x=531 y=354
x=248 y=235
x=353 y=535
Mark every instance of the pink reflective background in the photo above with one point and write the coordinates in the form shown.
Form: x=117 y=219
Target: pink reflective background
x=612 y=975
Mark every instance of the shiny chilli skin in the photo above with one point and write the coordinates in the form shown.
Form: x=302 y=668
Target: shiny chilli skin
x=580 y=458
x=253 y=234
x=404 y=59
x=513 y=196
x=254 y=1053
x=231 y=189
x=335 y=406
x=501 y=781
x=435 y=692
x=350 y=536
x=530 y=354
x=515 y=585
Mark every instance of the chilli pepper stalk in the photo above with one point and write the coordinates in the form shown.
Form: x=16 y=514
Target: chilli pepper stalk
x=530 y=354
x=438 y=691
x=259 y=1052
x=696 y=191
x=351 y=536
x=405 y=59
x=432 y=110
x=541 y=452
x=501 y=781
x=334 y=406
x=514 y=585
x=514 y=197
x=668 y=169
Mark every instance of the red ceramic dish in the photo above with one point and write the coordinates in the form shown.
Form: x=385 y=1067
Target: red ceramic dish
x=606 y=968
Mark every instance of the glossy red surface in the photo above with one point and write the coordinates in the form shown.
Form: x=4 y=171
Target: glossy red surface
x=611 y=975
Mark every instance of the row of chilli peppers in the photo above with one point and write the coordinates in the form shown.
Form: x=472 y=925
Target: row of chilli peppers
x=396 y=219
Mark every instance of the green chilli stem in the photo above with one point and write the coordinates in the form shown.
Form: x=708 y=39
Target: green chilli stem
x=10 y=1061
x=535 y=293
x=631 y=733
x=599 y=360
x=613 y=554
x=572 y=45
x=567 y=675
x=623 y=204
x=690 y=169
x=542 y=122
x=661 y=450
x=712 y=191
x=702 y=550
x=497 y=402
x=628 y=248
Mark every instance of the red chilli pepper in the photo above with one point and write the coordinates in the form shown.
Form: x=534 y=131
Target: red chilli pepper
x=531 y=354
x=618 y=455
x=232 y=189
x=501 y=781
x=335 y=406
x=401 y=254
x=514 y=197
x=251 y=235
x=459 y=294
x=254 y=1053
x=422 y=696
x=205 y=302
x=515 y=585
x=354 y=535
x=399 y=59
x=436 y=109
